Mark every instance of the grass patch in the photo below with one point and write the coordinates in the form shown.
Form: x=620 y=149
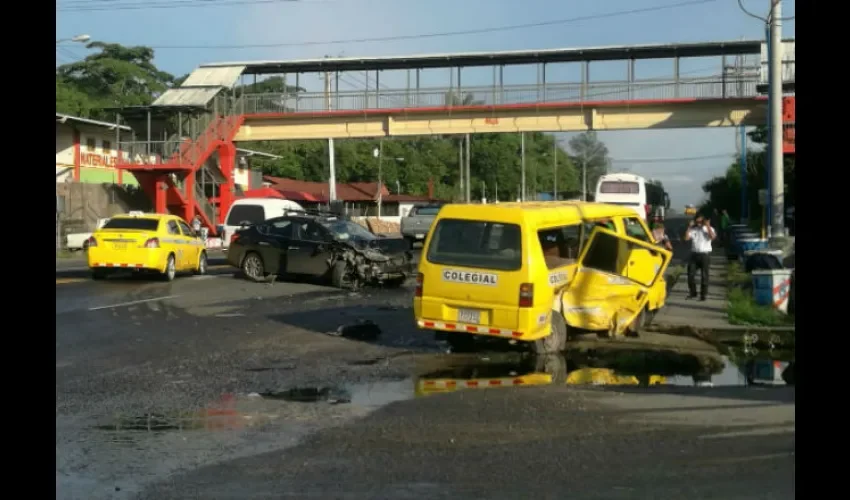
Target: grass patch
x=741 y=307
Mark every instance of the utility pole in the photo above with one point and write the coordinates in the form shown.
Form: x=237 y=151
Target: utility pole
x=555 y=171
x=522 y=166
x=777 y=173
x=331 y=150
x=468 y=177
x=584 y=177
x=460 y=166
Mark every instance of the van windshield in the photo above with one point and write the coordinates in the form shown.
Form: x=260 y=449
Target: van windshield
x=252 y=214
x=468 y=243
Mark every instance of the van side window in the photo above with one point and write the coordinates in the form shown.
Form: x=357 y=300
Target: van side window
x=560 y=245
x=253 y=214
x=636 y=230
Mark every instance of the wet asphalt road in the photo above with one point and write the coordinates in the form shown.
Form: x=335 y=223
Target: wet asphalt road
x=215 y=387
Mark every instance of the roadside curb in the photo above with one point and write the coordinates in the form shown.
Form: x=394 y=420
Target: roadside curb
x=779 y=335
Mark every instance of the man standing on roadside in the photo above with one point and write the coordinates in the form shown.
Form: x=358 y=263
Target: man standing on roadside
x=724 y=227
x=700 y=234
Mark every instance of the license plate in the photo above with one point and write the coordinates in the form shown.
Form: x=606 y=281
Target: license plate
x=469 y=316
x=420 y=236
x=119 y=246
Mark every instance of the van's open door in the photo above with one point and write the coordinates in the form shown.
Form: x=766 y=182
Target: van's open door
x=607 y=294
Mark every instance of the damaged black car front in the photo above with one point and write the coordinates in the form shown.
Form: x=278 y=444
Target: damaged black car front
x=363 y=258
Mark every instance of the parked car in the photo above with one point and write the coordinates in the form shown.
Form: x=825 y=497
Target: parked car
x=80 y=241
x=416 y=224
x=323 y=246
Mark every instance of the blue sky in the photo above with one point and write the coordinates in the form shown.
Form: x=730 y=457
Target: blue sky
x=200 y=23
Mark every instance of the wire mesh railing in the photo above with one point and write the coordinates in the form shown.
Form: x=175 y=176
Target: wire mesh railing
x=694 y=88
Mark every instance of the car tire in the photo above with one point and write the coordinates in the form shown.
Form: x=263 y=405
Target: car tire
x=253 y=267
x=394 y=283
x=554 y=365
x=98 y=274
x=410 y=241
x=202 y=265
x=85 y=247
x=556 y=341
x=638 y=324
x=338 y=275
x=170 y=269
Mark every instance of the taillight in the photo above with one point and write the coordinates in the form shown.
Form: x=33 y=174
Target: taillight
x=646 y=208
x=152 y=243
x=234 y=238
x=526 y=295
x=91 y=242
x=419 y=280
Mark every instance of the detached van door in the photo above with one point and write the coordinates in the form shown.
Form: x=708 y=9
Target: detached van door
x=605 y=295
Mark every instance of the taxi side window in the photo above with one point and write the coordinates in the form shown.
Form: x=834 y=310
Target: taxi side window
x=635 y=229
x=173 y=228
x=185 y=228
x=561 y=245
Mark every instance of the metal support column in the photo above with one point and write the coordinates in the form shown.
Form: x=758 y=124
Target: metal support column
x=377 y=89
x=585 y=80
x=723 y=76
x=630 y=74
x=416 y=95
x=744 y=201
x=297 y=86
x=501 y=84
x=676 y=77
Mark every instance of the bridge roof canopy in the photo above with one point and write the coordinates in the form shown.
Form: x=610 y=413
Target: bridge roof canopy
x=514 y=57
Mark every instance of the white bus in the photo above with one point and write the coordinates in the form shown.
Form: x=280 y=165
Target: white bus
x=623 y=189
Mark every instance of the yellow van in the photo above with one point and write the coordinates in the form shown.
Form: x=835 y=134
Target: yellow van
x=532 y=271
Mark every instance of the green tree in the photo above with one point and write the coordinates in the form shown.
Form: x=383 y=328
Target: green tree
x=724 y=192
x=113 y=76
x=590 y=152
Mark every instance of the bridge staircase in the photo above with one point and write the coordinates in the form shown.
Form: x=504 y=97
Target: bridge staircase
x=169 y=171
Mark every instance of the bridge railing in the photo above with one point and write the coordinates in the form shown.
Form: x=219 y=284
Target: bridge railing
x=713 y=87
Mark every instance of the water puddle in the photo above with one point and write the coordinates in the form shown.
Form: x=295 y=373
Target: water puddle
x=609 y=366
x=236 y=412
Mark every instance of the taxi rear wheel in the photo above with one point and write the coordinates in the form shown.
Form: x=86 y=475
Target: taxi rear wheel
x=556 y=341
x=202 y=264
x=170 y=269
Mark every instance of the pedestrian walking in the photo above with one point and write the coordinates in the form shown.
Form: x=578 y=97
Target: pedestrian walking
x=196 y=224
x=700 y=234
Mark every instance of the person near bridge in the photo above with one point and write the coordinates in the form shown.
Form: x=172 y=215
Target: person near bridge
x=700 y=234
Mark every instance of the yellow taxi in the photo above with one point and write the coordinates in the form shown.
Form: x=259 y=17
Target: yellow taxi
x=530 y=271
x=163 y=244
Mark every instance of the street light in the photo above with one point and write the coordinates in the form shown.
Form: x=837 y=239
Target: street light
x=78 y=39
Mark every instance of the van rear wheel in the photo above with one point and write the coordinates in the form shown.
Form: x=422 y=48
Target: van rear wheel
x=556 y=341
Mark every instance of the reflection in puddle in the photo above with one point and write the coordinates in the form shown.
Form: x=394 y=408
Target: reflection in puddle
x=615 y=366
x=233 y=412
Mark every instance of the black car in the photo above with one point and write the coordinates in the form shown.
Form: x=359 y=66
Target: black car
x=320 y=246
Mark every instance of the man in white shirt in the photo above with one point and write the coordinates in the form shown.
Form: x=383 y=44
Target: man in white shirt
x=700 y=234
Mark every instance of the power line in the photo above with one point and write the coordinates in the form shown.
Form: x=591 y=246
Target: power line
x=494 y=29
x=115 y=5
x=669 y=160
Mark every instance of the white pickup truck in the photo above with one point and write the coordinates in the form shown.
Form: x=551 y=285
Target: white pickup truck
x=79 y=241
